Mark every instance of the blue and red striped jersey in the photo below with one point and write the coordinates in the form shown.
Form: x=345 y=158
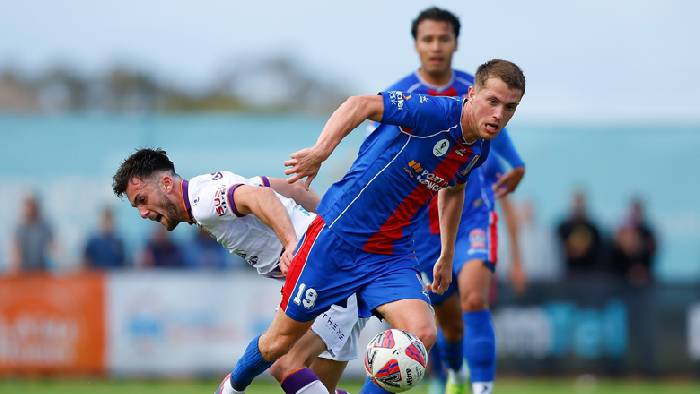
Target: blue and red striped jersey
x=375 y=206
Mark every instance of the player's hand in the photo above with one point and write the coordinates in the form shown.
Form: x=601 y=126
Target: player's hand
x=442 y=275
x=286 y=258
x=518 y=278
x=508 y=182
x=304 y=164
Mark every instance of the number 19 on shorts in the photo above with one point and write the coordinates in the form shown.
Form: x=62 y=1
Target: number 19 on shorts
x=309 y=296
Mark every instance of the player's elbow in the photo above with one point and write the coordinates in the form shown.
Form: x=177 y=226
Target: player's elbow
x=361 y=106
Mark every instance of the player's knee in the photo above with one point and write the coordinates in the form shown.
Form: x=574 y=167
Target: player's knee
x=283 y=367
x=426 y=333
x=474 y=301
x=272 y=348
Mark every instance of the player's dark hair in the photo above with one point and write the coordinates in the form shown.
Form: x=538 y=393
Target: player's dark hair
x=141 y=165
x=435 y=14
x=506 y=71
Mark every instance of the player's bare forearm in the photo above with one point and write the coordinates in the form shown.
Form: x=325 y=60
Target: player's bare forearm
x=352 y=112
x=306 y=198
x=450 y=202
x=512 y=228
x=266 y=206
x=307 y=162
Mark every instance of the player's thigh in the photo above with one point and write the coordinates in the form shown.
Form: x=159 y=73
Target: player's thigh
x=282 y=334
x=448 y=315
x=329 y=371
x=474 y=285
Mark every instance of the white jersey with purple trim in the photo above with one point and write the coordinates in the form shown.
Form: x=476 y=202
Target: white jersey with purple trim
x=213 y=208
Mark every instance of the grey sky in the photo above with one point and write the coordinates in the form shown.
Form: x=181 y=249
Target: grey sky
x=583 y=59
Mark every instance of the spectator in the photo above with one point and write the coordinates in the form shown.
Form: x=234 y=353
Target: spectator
x=580 y=240
x=205 y=252
x=161 y=251
x=538 y=246
x=33 y=242
x=105 y=249
x=634 y=247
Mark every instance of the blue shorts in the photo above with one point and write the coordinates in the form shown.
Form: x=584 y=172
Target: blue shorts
x=477 y=239
x=326 y=270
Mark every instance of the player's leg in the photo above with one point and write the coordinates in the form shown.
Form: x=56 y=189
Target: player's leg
x=308 y=276
x=448 y=352
x=398 y=297
x=412 y=315
x=339 y=328
x=474 y=279
x=299 y=357
x=448 y=314
x=305 y=354
x=329 y=371
x=479 y=335
x=262 y=351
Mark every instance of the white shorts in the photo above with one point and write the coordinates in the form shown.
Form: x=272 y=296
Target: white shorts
x=339 y=328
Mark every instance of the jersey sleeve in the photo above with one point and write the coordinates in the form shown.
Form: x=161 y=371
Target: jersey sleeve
x=417 y=114
x=492 y=168
x=261 y=180
x=504 y=148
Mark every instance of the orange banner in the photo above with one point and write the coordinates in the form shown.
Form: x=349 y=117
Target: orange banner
x=52 y=324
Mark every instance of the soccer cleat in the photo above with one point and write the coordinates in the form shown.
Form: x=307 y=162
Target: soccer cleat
x=225 y=387
x=452 y=386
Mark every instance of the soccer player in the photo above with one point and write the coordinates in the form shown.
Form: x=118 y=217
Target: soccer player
x=362 y=239
x=435 y=32
x=250 y=218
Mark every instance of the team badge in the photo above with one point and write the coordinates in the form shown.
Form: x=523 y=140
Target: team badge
x=441 y=147
x=477 y=238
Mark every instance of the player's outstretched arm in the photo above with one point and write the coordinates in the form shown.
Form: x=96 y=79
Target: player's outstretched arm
x=266 y=206
x=517 y=272
x=304 y=197
x=307 y=162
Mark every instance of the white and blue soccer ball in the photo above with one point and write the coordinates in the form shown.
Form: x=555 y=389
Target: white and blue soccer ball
x=396 y=360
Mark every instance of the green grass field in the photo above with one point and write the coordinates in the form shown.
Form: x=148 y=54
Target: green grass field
x=504 y=386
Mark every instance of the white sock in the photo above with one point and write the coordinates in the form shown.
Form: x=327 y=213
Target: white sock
x=482 y=387
x=227 y=388
x=315 y=387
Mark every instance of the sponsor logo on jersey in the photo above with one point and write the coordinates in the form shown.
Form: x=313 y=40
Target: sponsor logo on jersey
x=422 y=99
x=220 y=205
x=425 y=177
x=441 y=147
x=216 y=175
x=397 y=98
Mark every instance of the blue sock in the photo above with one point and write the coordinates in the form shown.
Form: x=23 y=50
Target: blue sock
x=451 y=352
x=480 y=345
x=370 y=388
x=437 y=367
x=249 y=366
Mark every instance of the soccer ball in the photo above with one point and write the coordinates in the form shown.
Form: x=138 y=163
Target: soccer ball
x=396 y=360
